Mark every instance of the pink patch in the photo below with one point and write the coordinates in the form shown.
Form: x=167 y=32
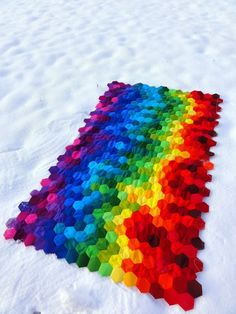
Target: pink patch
x=114 y=99
x=9 y=233
x=76 y=155
x=22 y=216
x=99 y=105
x=51 y=197
x=45 y=182
x=69 y=147
x=76 y=141
x=31 y=218
x=29 y=240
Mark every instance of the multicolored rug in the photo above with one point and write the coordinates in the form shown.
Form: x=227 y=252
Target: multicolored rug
x=127 y=196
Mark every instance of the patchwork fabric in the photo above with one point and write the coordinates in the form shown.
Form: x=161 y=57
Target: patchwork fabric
x=127 y=196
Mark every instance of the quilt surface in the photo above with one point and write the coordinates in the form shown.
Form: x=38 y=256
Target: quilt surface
x=126 y=197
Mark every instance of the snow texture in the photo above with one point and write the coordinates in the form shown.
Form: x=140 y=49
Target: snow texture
x=56 y=57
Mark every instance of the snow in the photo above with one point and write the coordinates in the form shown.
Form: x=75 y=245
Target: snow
x=56 y=58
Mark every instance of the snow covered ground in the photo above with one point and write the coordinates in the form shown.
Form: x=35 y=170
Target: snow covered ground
x=56 y=57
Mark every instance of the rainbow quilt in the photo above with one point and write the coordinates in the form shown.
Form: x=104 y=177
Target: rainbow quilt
x=126 y=197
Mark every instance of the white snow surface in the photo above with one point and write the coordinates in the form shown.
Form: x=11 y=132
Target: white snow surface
x=56 y=57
